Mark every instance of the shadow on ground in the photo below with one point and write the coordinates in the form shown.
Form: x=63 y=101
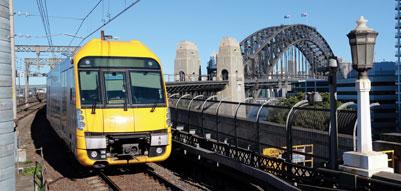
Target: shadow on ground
x=54 y=149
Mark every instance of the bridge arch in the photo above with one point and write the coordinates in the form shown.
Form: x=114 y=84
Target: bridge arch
x=263 y=49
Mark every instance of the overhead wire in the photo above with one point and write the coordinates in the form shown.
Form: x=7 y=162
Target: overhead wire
x=104 y=24
x=56 y=17
x=42 y=7
x=83 y=20
x=48 y=23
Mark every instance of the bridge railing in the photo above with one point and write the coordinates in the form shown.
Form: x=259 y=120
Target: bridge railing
x=289 y=76
x=260 y=77
x=188 y=78
x=261 y=127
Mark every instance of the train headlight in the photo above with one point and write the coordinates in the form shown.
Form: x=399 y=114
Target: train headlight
x=168 y=115
x=80 y=120
x=159 y=150
x=93 y=154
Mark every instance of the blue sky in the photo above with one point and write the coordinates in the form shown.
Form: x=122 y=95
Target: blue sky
x=160 y=25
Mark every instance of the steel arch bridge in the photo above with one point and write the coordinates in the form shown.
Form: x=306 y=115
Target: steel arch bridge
x=263 y=50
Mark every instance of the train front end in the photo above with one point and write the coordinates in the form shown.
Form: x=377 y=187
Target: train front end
x=122 y=109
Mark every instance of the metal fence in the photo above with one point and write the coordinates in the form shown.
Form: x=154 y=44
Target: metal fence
x=262 y=127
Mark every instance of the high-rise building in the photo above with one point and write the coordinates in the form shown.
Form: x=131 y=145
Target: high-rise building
x=398 y=60
x=383 y=90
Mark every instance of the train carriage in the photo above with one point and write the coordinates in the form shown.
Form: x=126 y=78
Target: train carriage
x=109 y=104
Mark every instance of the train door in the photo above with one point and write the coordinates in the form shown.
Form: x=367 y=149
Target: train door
x=70 y=101
x=64 y=102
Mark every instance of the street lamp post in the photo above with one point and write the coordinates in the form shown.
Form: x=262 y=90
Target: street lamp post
x=333 y=130
x=364 y=161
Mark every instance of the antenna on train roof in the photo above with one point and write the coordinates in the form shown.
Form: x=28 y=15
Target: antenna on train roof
x=107 y=37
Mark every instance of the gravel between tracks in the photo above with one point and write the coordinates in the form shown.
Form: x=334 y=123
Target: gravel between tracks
x=63 y=173
x=176 y=179
x=136 y=182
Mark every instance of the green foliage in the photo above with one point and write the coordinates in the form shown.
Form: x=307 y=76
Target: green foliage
x=31 y=170
x=291 y=101
x=28 y=162
x=303 y=118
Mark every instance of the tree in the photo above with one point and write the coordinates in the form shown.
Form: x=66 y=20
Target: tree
x=303 y=117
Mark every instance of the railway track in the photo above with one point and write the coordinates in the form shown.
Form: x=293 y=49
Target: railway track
x=23 y=112
x=136 y=178
x=168 y=184
x=101 y=182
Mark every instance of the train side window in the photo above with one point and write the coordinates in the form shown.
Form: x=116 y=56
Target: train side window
x=90 y=87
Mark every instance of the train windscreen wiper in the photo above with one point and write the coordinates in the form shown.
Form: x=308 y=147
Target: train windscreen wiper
x=154 y=105
x=125 y=101
x=94 y=101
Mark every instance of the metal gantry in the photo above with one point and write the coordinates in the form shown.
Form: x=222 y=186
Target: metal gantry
x=38 y=49
x=41 y=48
x=263 y=49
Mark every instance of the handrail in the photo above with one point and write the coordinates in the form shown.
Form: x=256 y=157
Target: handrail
x=186 y=95
x=218 y=106
x=257 y=125
x=173 y=95
x=217 y=115
x=235 y=118
x=189 y=109
x=176 y=106
x=288 y=131
x=209 y=98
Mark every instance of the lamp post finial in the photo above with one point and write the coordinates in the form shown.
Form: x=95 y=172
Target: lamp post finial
x=362 y=25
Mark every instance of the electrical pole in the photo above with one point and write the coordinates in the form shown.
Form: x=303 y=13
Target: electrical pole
x=13 y=67
x=26 y=75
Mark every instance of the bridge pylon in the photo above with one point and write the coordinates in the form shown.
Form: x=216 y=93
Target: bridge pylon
x=186 y=62
x=230 y=68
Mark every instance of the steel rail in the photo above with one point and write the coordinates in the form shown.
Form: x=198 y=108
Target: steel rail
x=109 y=182
x=164 y=181
x=31 y=109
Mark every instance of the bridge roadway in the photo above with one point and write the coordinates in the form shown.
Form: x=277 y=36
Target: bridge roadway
x=195 y=86
x=212 y=87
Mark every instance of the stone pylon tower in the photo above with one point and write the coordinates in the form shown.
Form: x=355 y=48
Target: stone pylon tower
x=186 y=62
x=230 y=67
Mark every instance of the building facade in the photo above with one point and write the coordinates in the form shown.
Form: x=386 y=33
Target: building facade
x=383 y=78
x=309 y=85
x=398 y=60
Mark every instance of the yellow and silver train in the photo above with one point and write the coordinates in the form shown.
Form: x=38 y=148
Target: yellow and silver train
x=109 y=104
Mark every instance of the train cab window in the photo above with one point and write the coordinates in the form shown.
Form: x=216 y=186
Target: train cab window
x=115 y=87
x=90 y=87
x=146 y=87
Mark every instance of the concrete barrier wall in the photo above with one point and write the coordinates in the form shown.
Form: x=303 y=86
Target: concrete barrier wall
x=271 y=134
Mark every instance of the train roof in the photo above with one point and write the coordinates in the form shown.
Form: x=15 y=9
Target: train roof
x=97 y=47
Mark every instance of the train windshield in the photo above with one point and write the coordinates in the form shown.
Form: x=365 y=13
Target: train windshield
x=90 y=87
x=120 y=82
x=146 y=87
x=115 y=87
